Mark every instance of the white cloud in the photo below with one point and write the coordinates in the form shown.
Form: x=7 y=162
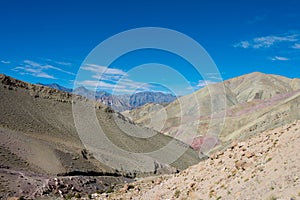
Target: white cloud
x=296 y=46
x=242 y=44
x=202 y=83
x=5 y=61
x=123 y=86
x=63 y=63
x=267 y=41
x=133 y=84
x=93 y=83
x=57 y=62
x=280 y=58
x=32 y=72
x=45 y=67
x=44 y=75
x=103 y=70
x=214 y=75
x=112 y=79
x=38 y=70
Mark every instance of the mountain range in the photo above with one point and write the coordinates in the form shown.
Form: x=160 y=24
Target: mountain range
x=118 y=102
x=238 y=138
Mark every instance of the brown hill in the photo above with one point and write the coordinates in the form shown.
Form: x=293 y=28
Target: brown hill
x=38 y=136
x=232 y=109
x=266 y=166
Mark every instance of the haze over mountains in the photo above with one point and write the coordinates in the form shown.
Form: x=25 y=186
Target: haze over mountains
x=119 y=102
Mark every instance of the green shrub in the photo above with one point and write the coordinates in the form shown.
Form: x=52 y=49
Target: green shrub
x=177 y=193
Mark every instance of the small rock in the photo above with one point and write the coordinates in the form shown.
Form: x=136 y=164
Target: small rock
x=240 y=164
x=249 y=154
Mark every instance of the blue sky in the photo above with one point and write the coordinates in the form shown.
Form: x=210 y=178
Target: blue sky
x=46 y=41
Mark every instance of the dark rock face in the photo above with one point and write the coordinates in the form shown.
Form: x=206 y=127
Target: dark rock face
x=127 y=102
x=142 y=98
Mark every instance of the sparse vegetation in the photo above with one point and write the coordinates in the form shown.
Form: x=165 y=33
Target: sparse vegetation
x=77 y=195
x=177 y=193
x=269 y=159
x=273 y=198
x=211 y=193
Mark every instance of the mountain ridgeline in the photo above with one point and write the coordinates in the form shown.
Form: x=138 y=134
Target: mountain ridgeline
x=47 y=150
x=119 y=102
x=233 y=109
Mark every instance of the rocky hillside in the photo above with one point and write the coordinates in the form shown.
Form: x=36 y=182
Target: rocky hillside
x=39 y=140
x=265 y=166
x=235 y=108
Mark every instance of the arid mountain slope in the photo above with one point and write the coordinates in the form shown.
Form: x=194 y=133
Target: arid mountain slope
x=265 y=166
x=231 y=109
x=38 y=135
x=46 y=114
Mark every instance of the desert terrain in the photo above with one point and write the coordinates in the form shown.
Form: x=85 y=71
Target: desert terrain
x=254 y=154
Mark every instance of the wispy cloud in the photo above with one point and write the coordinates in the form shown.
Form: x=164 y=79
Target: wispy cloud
x=33 y=72
x=280 y=58
x=242 y=44
x=95 y=83
x=5 y=61
x=45 y=67
x=202 y=83
x=57 y=62
x=111 y=79
x=38 y=70
x=99 y=70
x=296 y=46
x=123 y=86
x=63 y=63
x=214 y=76
x=267 y=41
